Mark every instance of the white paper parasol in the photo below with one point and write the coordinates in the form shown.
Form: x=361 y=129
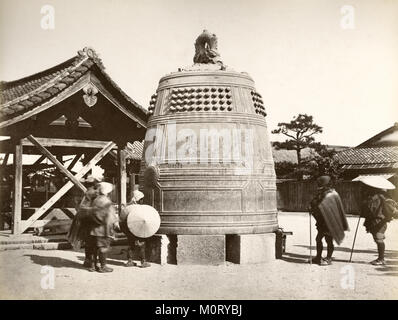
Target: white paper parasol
x=143 y=221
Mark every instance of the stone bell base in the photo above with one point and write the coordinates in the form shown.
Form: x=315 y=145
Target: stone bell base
x=250 y=248
x=210 y=249
x=201 y=249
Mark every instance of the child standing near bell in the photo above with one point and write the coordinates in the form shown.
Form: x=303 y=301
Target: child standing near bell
x=134 y=241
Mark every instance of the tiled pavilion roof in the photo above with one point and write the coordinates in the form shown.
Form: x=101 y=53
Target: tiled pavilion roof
x=27 y=94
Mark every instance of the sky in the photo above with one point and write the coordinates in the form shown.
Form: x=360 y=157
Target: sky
x=308 y=56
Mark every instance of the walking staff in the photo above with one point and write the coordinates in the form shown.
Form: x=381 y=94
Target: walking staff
x=310 y=240
x=355 y=236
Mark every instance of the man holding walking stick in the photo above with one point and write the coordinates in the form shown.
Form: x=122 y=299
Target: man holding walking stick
x=328 y=211
x=378 y=210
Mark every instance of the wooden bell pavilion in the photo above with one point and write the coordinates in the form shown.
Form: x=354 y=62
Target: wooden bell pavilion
x=74 y=108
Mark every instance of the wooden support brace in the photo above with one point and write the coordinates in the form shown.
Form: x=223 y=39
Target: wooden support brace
x=68 y=185
x=74 y=161
x=60 y=158
x=5 y=160
x=58 y=164
x=38 y=161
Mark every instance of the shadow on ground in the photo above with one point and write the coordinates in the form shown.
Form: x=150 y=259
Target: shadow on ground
x=343 y=249
x=55 y=262
x=304 y=259
x=391 y=256
x=116 y=257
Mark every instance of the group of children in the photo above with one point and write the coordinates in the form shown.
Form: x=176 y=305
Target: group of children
x=95 y=225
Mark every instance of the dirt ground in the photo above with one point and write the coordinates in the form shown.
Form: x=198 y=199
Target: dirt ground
x=290 y=278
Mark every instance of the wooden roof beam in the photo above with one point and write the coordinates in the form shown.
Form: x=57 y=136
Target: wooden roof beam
x=53 y=142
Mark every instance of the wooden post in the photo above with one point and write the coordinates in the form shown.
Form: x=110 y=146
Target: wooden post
x=17 y=198
x=122 y=178
x=132 y=185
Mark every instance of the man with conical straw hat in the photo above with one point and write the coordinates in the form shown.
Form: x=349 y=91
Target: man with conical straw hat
x=378 y=210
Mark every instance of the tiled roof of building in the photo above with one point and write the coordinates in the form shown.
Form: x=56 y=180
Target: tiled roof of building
x=369 y=158
x=23 y=95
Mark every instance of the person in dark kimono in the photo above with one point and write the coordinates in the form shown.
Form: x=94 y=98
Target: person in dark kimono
x=378 y=210
x=79 y=231
x=328 y=211
x=134 y=241
x=103 y=228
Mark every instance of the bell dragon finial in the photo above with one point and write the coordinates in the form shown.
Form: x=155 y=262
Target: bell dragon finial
x=206 y=50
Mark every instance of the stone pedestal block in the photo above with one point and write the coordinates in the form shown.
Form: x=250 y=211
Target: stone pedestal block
x=207 y=249
x=250 y=248
x=200 y=249
x=157 y=249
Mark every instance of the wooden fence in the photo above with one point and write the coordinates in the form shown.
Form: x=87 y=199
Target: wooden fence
x=297 y=195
